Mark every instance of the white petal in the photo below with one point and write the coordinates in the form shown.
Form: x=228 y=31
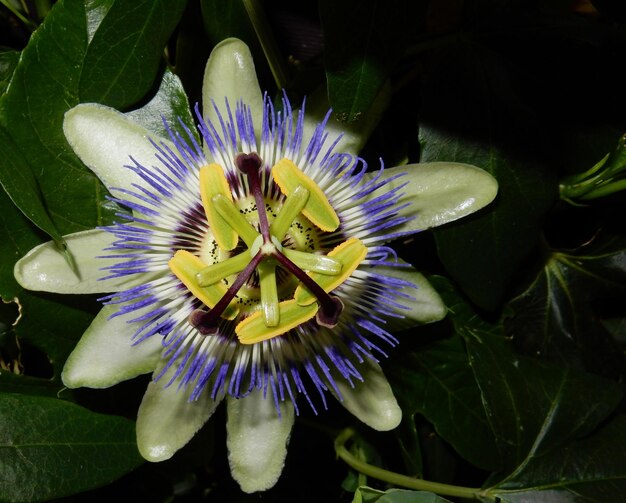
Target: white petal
x=105 y=356
x=372 y=400
x=230 y=73
x=439 y=192
x=46 y=268
x=167 y=420
x=257 y=440
x=104 y=139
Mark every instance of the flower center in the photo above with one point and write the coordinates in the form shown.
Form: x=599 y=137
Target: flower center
x=316 y=275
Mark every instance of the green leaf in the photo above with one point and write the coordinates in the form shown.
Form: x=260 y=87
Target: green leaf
x=47 y=329
x=557 y=316
x=48 y=322
x=19 y=182
x=51 y=448
x=534 y=409
x=122 y=57
x=170 y=104
x=469 y=101
x=437 y=382
x=55 y=323
x=8 y=62
x=103 y=58
x=362 y=40
x=28 y=385
x=589 y=470
x=223 y=20
x=369 y=495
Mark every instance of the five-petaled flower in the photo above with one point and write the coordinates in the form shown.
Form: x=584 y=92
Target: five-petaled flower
x=254 y=267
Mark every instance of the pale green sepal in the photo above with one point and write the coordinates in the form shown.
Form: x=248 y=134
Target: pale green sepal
x=439 y=192
x=230 y=74
x=45 y=267
x=371 y=401
x=428 y=307
x=104 y=139
x=257 y=439
x=167 y=420
x=105 y=355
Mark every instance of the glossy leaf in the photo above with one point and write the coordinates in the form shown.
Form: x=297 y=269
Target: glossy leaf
x=226 y=19
x=111 y=74
x=169 y=104
x=534 y=409
x=47 y=325
x=55 y=323
x=99 y=61
x=8 y=62
x=361 y=42
x=495 y=243
x=555 y=317
x=51 y=448
x=588 y=470
x=19 y=182
x=437 y=382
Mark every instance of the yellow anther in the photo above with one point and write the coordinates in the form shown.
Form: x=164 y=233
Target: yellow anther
x=350 y=254
x=231 y=214
x=212 y=183
x=186 y=266
x=253 y=329
x=317 y=208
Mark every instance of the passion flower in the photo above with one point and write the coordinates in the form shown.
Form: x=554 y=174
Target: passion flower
x=254 y=267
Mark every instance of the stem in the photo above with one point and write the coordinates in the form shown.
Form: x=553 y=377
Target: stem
x=28 y=22
x=398 y=479
x=268 y=42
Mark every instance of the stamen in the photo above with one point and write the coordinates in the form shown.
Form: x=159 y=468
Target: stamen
x=326 y=303
x=318 y=208
x=269 y=293
x=213 y=182
x=350 y=254
x=207 y=322
x=221 y=270
x=186 y=266
x=293 y=205
x=314 y=263
x=233 y=217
